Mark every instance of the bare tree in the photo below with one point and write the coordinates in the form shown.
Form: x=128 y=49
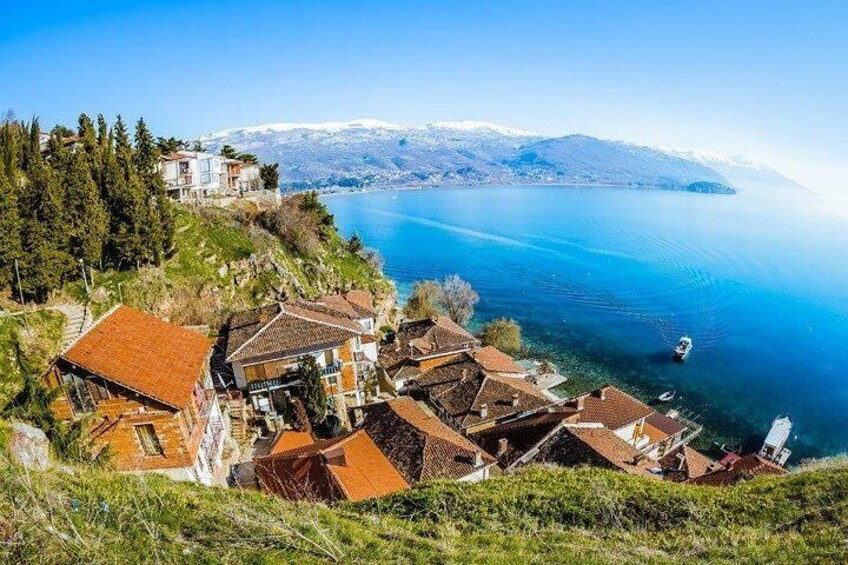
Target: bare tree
x=458 y=299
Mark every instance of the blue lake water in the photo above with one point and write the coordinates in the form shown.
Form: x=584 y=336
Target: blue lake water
x=607 y=280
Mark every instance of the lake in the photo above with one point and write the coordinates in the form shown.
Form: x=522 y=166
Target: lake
x=605 y=281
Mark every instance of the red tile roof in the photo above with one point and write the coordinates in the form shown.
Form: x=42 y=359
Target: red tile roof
x=349 y=467
x=613 y=450
x=494 y=360
x=417 y=443
x=289 y=440
x=144 y=354
x=613 y=408
x=739 y=470
x=685 y=463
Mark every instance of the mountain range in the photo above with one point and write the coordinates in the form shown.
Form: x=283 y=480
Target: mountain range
x=373 y=153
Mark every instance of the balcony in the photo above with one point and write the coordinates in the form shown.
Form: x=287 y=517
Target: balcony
x=332 y=369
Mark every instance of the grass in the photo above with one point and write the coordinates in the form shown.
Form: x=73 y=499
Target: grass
x=32 y=341
x=541 y=515
x=221 y=264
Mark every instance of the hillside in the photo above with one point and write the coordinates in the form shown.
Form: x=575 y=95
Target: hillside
x=373 y=153
x=223 y=260
x=549 y=515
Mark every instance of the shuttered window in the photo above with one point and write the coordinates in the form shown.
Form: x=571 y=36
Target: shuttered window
x=149 y=440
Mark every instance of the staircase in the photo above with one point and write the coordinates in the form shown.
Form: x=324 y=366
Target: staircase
x=77 y=319
x=240 y=413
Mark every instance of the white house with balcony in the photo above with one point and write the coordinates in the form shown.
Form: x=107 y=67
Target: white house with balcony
x=196 y=175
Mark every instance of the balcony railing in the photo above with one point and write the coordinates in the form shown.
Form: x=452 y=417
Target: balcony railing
x=332 y=369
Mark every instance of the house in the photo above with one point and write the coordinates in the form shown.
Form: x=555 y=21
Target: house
x=195 y=175
x=349 y=467
x=559 y=437
x=265 y=346
x=419 y=345
x=470 y=391
x=420 y=445
x=146 y=388
x=632 y=420
x=683 y=464
x=738 y=469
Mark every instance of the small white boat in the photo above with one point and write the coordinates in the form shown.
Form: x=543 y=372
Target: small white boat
x=774 y=447
x=667 y=396
x=684 y=346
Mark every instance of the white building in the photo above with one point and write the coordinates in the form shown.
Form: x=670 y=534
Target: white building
x=196 y=175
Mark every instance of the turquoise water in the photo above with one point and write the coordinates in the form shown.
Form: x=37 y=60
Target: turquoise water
x=614 y=277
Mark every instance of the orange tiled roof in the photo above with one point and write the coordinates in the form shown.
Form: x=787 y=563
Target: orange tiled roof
x=144 y=354
x=694 y=464
x=417 y=443
x=615 y=410
x=495 y=360
x=349 y=467
x=738 y=470
x=289 y=440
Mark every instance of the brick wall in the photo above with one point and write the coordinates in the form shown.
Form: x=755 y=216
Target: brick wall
x=114 y=421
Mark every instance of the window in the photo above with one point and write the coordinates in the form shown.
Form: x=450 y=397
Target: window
x=332 y=380
x=206 y=165
x=149 y=440
x=78 y=393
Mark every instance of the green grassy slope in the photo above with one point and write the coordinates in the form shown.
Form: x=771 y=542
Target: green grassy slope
x=223 y=262
x=26 y=342
x=542 y=515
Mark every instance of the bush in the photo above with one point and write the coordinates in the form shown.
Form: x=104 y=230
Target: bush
x=503 y=333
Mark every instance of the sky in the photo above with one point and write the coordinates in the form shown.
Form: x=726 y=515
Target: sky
x=768 y=80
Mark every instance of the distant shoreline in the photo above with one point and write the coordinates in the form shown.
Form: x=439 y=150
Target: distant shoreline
x=407 y=188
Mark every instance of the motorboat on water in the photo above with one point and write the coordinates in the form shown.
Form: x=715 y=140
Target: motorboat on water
x=667 y=396
x=684 y=346
x=774 y=447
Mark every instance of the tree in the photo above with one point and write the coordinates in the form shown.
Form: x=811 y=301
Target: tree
x=85 y=213
x=171 y=145
x=270 y=175
x=197 y=146
x=425 y=301
x=503 y=333
x=314 y=396
x=229 y=152
x=458 y=299
x=159 y=232
x=10 y=228
x=354 y=245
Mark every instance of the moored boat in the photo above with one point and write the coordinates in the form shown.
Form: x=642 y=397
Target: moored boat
x=684 y=346
x=667 y=396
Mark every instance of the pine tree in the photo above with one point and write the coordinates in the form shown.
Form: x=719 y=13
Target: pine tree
x=87 y=221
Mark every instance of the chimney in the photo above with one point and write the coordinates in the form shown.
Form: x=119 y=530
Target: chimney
x=358 y=417
x=580 y=402
x=478 y=459
x=639 y=458
x=602 y=393
x=464 y=374
x=514 y=400
x=484 y=410
x=503 y=446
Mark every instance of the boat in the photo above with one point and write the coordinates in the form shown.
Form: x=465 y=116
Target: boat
x=667 y=396
x=684 y=346
x=774 y=447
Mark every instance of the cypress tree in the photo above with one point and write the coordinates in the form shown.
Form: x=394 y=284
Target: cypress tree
x=88 y=142
x=125 y=204
x=46 y=262
x=87 y=221
x=161 y=225
x=10 y=219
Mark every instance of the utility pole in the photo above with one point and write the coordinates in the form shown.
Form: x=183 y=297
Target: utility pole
x=85 y=280
x=21 y=293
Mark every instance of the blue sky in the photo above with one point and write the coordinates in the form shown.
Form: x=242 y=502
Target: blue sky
x=764 y=79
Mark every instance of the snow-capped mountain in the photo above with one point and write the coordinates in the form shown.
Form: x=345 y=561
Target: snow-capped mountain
x=739 y=170
x=373 y=153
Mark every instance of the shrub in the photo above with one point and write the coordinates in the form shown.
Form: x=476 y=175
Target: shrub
x=503 y=333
